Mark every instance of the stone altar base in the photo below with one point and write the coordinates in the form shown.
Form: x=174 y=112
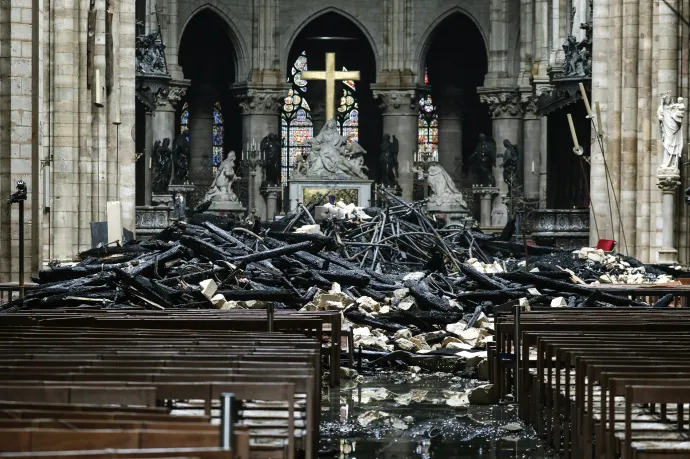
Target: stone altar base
x=356 y=192
x=453 y=215
x=225 y=209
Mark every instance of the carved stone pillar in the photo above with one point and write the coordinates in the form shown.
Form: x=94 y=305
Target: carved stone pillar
x=531 y=151
x=450 y=117
x=668 y=181
x=506 y=111
x=149 y=88
x=201 y=134
x=260 y=108
x=166 y=107
x=400 y=113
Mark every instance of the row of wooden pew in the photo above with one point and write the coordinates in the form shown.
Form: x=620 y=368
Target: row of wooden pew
x=599 y=383
x=102 y=384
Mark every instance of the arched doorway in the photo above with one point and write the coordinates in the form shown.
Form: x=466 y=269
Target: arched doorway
x=357 y=114
x=208 y=116
x=455 y=66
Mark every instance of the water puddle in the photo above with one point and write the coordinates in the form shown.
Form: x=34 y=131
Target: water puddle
x=400 y=415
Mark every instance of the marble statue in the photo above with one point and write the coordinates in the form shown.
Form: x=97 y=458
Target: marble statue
x=221 y=188
x=270 y=150
x=332 y=157
x=670 y=120
x=484 y=157
x=510 y=163
x=162 y=166
x=499 y=215
x=180 y=154
x=443 y=191
x=389 y=160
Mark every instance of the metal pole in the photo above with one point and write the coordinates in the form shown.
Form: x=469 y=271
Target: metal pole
x=516 y=345
x=269 y=316
x=228 y=415
x=21 y=249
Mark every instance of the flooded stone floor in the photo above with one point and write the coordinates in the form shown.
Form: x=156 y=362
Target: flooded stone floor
x=394 y=415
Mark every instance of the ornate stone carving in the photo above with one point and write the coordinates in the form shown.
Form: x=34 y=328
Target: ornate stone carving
x=483 y=161
x=169 y=97
x=149 y=88
x=150 y=53
x=397 y=101
x=529 y=104
x=162 y=166
x=270 y=151
x=506 y=104
x=221 y=188
x=331 y=157
x=578 y=55
x=389 y=161
x=259 y=101
x=668 y=179
x=444 y=193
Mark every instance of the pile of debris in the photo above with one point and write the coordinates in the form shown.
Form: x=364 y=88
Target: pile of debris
x=415 y=292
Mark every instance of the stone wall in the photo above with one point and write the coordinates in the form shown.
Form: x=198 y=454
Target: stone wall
x=636 y=56
x=49 y=126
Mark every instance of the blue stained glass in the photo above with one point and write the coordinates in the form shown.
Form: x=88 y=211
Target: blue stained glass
x=295 y=126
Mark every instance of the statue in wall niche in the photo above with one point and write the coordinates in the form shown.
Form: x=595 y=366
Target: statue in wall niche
x=332 y=157
x=670 y=122
x=270 y=151
x=181 y=160
x=484 y=158
x=444 y=193
x=389 y=160
x=162 y=166
x=510 y=163
x=221 y=188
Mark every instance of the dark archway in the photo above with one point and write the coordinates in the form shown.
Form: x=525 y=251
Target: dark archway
x=456 y=63
x=207 y=56
x=334 y=33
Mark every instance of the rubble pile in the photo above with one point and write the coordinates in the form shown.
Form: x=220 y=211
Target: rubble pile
x=415 y=292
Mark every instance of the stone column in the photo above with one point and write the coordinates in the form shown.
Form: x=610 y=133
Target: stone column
x=260 y=110
x=201 y=134
x=163 y=121
x=531 y=151
x=486 y=195
x=506 y=112
x=450 y=118
x=668 y=180
x=400 y=114
x=271 y=195
x=148 y=157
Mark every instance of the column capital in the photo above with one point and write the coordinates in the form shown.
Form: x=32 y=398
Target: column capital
x=169 y=97
x=668 y=179
x=149 y=88
x=502 y=102
x=400 y=102
x=259 y=101
x=528 y=102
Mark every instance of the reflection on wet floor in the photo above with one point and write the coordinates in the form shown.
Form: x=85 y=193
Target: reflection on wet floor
x=401 y=416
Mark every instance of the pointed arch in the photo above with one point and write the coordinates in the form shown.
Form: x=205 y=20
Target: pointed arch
x=240 y=53
x=294 y=33
x=428 y=38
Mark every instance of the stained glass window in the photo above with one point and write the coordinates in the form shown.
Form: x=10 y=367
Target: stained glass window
x=184 y=121
x=427 y=129
x=348 y=112
x=295 y=125
x=218 y=132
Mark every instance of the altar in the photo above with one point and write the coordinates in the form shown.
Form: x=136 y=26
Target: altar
x=307 y=190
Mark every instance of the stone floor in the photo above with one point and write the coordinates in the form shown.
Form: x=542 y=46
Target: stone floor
x=405 y=416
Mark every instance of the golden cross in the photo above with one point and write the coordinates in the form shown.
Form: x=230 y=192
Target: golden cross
x=330 y=76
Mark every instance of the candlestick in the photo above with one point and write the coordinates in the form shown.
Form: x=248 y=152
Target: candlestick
x=533 y=167
x=584 y=97
x=572 y=131
x=247 y=145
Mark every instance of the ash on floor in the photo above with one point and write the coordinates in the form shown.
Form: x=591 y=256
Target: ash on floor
x=396 y=415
